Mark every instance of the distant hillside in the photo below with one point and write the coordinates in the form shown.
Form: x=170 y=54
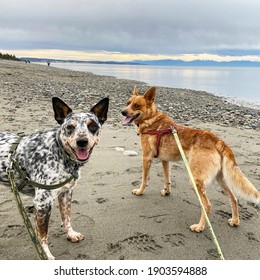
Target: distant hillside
x=164 y=62
x=212 y=63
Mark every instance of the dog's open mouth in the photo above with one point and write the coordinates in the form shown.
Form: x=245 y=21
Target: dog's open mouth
x=127 y=120
x=82 y=154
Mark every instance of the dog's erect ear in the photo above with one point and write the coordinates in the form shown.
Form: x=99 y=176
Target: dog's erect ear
x=135 y=92
x=100 y=109
x=150 y=95
x=61 y=110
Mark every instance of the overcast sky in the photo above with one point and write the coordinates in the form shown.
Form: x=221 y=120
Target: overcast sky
x=141 y=28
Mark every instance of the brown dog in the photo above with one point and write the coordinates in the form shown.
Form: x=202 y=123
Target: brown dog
x=209 y=157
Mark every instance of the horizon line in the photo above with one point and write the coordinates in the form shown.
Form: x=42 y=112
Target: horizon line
x=106 y=56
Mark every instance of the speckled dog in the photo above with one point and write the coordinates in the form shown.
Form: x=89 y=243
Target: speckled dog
x=52 y=157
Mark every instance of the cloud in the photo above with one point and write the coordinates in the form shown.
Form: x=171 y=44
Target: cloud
x=147 y=26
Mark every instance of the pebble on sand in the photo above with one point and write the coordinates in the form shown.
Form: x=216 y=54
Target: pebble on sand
x=130 y=153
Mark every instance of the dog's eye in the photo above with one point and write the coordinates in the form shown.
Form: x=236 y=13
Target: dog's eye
x=70 y=127
x=93 y=127
x=128 y=103
x=137 y=106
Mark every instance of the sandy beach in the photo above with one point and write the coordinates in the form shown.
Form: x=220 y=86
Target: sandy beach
x=117 y=224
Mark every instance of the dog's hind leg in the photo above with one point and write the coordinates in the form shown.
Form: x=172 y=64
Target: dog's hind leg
x=65 y=211
x=167 y=184
x=205 y=164
x=207 y=205
x=43 y=203
x=234 y=221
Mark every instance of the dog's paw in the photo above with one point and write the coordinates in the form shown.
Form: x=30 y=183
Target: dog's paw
x=47 y=252
x=137 y=191
x=233 y=222
x=51 y=257
x=74 y=236
x=165 y=192
x=197 y=227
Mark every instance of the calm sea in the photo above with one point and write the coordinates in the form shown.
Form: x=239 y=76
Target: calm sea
x=239 y=84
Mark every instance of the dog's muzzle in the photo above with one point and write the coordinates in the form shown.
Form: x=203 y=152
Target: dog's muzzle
x=129 y=119
x=81 y=150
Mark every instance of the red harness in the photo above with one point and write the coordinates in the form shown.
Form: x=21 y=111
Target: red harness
x=159 y=134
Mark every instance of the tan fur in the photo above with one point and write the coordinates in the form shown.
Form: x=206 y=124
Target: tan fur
x=209 y=157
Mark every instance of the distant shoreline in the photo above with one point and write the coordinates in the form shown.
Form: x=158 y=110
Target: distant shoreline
x=159 y=62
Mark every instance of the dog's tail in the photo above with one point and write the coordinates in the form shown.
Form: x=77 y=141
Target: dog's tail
x=236 y=180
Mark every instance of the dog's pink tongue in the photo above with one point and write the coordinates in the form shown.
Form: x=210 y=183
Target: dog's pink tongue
x=82 y=154
x=127 y=120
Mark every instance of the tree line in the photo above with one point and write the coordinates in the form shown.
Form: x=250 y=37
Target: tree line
x=8 y=56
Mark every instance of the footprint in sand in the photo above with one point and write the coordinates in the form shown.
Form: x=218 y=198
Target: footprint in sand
x=139 y=242
x=134 y=170
x=142 y=242
x=244 y=212
x=213 y=254
x=175 y=239
x=101 y=200
x=12 y=231
x=251 y=237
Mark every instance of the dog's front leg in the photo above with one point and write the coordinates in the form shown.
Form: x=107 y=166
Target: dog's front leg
x=147 y=161
x=43 y=202
x=167 y=184
x=65 y=211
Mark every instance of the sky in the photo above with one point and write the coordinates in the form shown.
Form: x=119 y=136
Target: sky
x=123 y=30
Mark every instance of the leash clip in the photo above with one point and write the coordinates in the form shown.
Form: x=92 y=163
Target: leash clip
x=173 y=128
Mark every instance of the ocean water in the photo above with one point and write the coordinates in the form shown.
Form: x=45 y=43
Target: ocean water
x=240 y=85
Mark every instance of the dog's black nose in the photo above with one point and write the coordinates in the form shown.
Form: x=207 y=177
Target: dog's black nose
x=82 y=143
x=124 y=113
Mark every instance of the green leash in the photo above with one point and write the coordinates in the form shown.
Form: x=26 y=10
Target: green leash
x=37 y=245
x=174 y=131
